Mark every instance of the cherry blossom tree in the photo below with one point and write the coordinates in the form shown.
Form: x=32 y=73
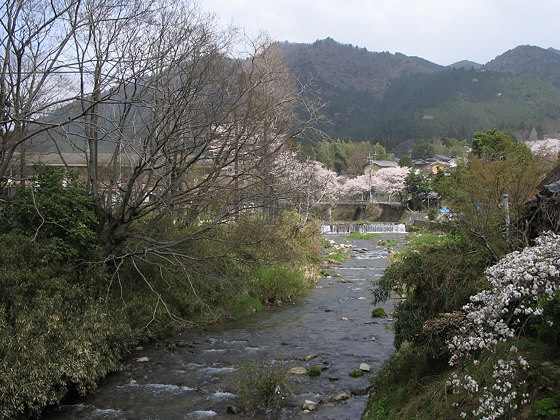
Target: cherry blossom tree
x=547 y=147
x=306 y=184
x=359 y=186
x=390 y=181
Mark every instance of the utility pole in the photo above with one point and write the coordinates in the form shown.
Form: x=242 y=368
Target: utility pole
x=370 y=162
x=506 y=209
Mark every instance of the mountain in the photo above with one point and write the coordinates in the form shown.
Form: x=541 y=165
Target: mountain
x=348 y=67
x=527 y=60
x=395 y=99
x=466 y=65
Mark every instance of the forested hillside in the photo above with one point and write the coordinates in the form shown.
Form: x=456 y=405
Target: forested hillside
x=540 y=63
x=396 y=99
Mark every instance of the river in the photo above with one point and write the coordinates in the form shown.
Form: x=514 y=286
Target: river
x=332 y=327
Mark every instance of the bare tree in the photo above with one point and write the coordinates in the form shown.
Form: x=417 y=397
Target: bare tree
x=195 y=131
x=34 y=38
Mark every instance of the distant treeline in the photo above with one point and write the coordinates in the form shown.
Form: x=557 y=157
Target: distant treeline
x=350 y=158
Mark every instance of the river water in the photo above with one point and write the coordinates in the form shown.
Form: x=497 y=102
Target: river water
x=200 y=378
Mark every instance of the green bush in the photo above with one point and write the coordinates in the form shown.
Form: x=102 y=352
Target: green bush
x=378 y=313
x=547 y=326
x=63 y=215
x=545 y=408
x=436 y=274
x=57 y=333
x=262 y=386
x=314 y=371
x=245 y=304
x=278 y=282
x=356 y=373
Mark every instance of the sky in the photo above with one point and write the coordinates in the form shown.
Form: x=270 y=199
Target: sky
x=442 y=31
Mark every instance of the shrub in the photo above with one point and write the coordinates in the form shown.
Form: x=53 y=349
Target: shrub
x=57 y=334
x=356 y=373
x=314 y=371
x=545 y=408
x=63 y=215
x=278 y=282
x=262 y=386
x=378 y=313
x=436 y=274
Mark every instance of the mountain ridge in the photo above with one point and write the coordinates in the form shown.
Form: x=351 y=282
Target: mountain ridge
x=396 y=98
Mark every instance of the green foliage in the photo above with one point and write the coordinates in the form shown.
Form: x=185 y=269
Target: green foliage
x=63 y=215
x=379 y=410
x=378 y=313
x=347 y=158
x=337 y=257
x=390 y=244
x=476 y=192
x=432 y=214
x=262 y=386
x=314 y=371
x=57 y=333
x=278 y=283
x=547 y=327
x=226 y=273
x=497 y=145
x=363 y=236
x=326 y=244
x=245 y=304
x=418 y=187
x=426 y=148
x=406 y=161
x=436 y=274
x=356 y=373
x=545 y=408
x=413 y=385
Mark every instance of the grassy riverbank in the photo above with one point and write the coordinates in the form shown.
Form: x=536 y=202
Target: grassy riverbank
x=518 y=376
x=67 y=318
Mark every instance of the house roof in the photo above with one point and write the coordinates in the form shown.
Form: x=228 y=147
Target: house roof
x=442 y=158
x=385 y=163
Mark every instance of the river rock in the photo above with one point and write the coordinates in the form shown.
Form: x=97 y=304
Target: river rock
x=365 y=367
x=142 y=359
x=231 y=409
x=341 y=396
x=139 y=348
x=309 y=357
x=309 y=405
x=359 y=391
x=298 y=370
x=345 y=318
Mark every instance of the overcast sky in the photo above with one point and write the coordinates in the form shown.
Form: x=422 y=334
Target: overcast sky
x=442 y=31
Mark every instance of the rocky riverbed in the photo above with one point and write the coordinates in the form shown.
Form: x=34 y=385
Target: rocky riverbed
x=209 y=374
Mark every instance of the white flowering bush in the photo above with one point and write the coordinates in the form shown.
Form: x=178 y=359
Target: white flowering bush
x=519 y=284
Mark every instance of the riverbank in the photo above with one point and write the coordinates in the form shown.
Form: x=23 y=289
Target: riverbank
x=65 y=325
x=471 y=342
x=201 y=374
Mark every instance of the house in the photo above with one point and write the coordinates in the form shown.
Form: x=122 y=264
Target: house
x=375 y=165
x=433 y=165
